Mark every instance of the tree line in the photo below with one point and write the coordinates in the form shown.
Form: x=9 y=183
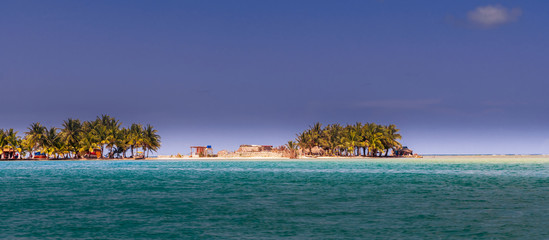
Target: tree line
x=77 y=139
x=368 y=139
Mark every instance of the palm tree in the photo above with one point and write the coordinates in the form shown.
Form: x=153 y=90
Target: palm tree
x=76 y=137
x=352 y=140
x=3 y=142
x=301 y=140
x=331 y=138
x=35 y=136
x=101 y=134
x=26 y=147
x=112 y=126
x=315 y=134
x=52 y=141
x=13 y=142
x=390 y=138
x=151 y=140
x=335 y=139
x=135 y=137
x=326 y=139
x=70 y=135
x=292 y=148
x=310 y=138
x=89 y=141
x=122 y=142
x=358 y=127
x=60 y=148
x=372 y=138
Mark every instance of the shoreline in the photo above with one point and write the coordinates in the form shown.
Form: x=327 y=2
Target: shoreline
x=456 y=159
x=453 y=159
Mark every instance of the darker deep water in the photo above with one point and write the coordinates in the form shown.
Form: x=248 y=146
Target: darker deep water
x=269 y=200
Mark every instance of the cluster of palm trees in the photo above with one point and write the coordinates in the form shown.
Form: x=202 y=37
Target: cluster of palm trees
x=360 y=139
x=77 y=139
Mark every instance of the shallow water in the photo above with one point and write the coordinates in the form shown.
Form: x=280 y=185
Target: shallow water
x=357 y=199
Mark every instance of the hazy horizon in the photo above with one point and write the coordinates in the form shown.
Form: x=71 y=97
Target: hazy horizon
x=463 y=77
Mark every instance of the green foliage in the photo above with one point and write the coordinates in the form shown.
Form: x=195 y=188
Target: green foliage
x=349 y=140
x=292 y=148
x=10 y=143
x=151 y=140
x=76 y=139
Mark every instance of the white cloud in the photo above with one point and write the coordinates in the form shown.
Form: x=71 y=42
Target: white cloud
x=493 y=15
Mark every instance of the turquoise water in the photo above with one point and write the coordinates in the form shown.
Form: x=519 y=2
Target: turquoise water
x=270 y=200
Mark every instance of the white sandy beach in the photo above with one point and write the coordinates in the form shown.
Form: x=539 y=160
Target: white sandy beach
x=457 y=159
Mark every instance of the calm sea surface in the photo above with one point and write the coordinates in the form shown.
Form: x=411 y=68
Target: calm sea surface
x=270 y=200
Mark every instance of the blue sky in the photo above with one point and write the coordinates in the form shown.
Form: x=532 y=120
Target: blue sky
x=455 y=76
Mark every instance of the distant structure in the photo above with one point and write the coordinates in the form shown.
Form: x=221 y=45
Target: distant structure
x=202 y=151
x=96 y=153
x=404 y=151
x=316 y=150
x=8 y=153
x=252 y=151
x=254 y=148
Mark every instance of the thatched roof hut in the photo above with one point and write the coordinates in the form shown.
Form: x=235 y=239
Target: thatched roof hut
x=316 y=150
x=404 y=151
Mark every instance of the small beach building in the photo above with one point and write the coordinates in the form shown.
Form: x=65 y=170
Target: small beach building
x=404 y=151
x=95 y=153
x=8 y=153
x=201 y=151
